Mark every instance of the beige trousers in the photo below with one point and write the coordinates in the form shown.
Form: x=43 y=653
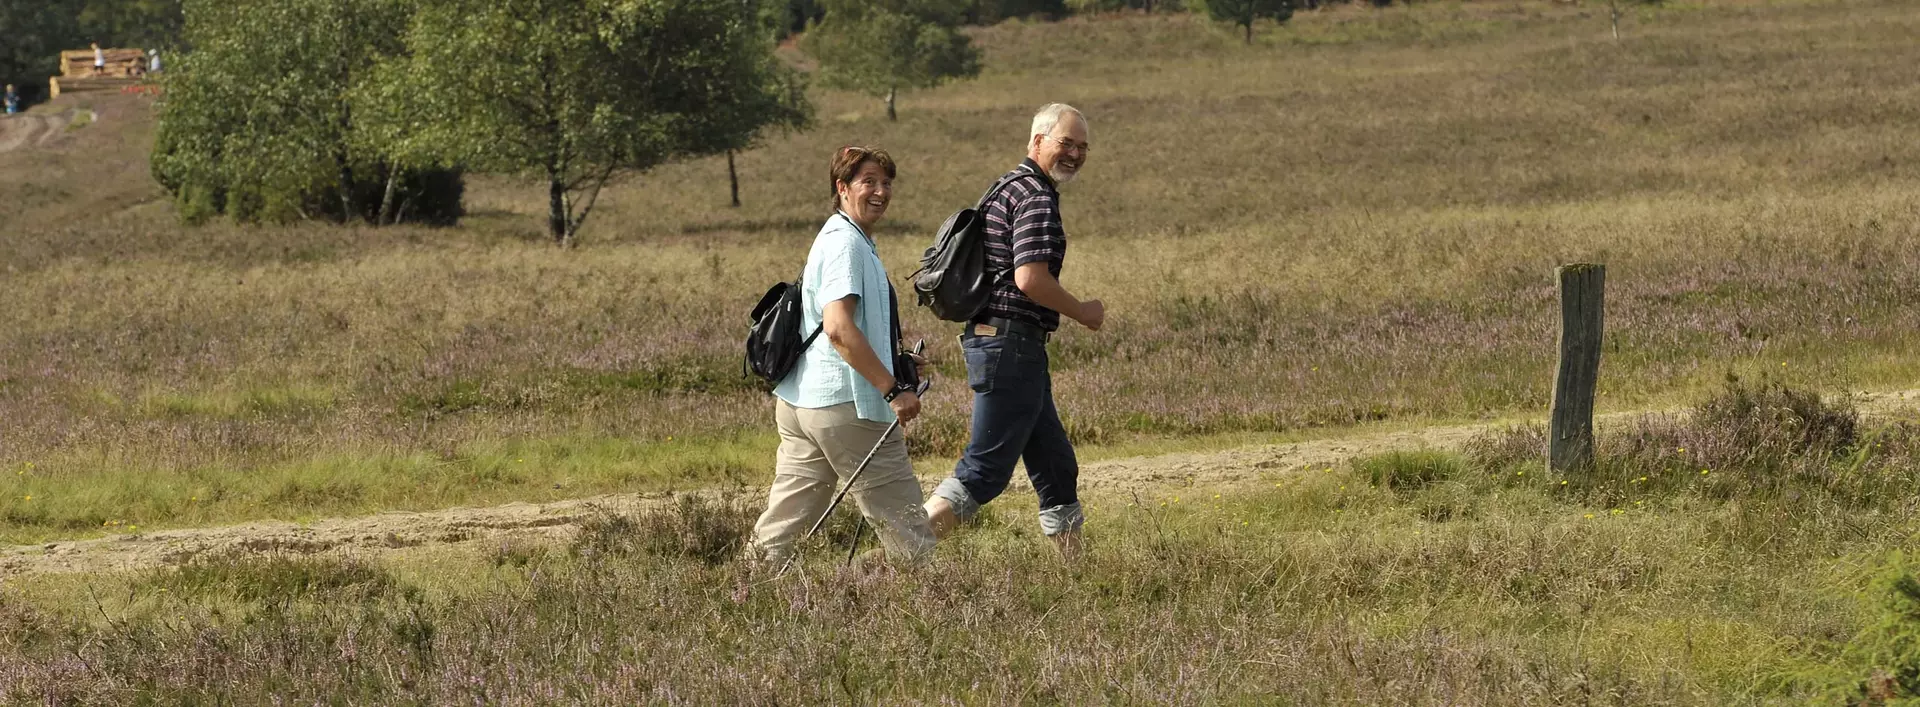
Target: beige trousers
x=819 y=449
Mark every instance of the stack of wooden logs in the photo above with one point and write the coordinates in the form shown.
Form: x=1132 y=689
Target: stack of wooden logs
x=78 y=72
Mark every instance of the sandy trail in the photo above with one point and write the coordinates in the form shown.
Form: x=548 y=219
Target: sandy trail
x=23 y=130
x=559 y=520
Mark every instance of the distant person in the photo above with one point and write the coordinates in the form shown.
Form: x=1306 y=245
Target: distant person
x=842 y=396
x=1014 y=418
x=12 y=100
x=99 y=60
x=153 y=61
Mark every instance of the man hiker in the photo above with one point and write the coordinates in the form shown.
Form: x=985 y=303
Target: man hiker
x=1014 y=418
x=99 y=61
x=12 y=100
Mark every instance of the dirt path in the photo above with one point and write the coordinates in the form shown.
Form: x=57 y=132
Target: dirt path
x=558 y=520
x=23 y=130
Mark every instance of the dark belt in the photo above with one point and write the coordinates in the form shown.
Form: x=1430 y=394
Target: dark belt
x=1011 y=326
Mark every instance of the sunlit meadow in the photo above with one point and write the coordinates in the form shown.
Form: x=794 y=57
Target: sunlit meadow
x=1746 y=553
x=1355 y=219
x=1352 y=222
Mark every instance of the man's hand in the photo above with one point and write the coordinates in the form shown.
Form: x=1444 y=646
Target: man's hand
x=1038 y=283
x=906 y=405
x=1093 y=314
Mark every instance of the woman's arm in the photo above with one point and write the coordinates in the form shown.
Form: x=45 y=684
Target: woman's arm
x=837 y=323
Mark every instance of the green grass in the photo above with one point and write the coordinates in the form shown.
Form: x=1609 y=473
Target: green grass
x=1770 y=581
x=1408 y=470
x=121 y=494
x=258 y=578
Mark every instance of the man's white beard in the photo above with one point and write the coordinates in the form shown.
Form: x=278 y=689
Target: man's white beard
x=1061 y=176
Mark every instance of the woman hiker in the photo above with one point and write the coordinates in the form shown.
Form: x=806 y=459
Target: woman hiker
x=840 y=398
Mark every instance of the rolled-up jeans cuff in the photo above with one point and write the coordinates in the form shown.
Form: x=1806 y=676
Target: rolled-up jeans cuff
x=956 y=494
x=1061 y=519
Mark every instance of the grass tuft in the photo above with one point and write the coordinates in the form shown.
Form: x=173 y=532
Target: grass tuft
x=1509 y=447
x=1408 y=470
x=277 y=576
x=1770 y=419
x=693 y=526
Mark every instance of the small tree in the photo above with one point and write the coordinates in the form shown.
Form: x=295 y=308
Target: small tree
x=881 y=46
x=749 y=125
x=261 y=120
x=1246 y=12
x=576 y=92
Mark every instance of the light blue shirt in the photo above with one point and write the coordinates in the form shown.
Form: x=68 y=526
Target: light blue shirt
x=842 y=262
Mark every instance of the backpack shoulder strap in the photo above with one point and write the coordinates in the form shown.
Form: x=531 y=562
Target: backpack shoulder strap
x=1017 y=174
x=1000 y=184
x=800 y=284
x=893 y=315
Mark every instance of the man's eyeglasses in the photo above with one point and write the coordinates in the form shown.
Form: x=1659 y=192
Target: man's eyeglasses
x=1071 y=146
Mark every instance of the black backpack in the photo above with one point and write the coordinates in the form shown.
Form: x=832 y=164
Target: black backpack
x=953 y=280
x=773 y=342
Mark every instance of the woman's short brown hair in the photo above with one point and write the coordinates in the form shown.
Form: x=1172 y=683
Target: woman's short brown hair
x=847 y=163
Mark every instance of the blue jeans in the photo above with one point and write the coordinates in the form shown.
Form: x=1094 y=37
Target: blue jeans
x=1014 y=419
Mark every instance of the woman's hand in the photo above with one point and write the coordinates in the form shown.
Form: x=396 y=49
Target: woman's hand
x=906 y=405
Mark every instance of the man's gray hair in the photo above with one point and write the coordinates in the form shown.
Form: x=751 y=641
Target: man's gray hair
x=1049 y=117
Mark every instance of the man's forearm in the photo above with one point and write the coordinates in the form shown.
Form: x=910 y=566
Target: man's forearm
x=1047 y=291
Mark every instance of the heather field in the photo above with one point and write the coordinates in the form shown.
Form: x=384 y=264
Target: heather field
x=1349 y=226
x=1749 y=553
x=1355 y=220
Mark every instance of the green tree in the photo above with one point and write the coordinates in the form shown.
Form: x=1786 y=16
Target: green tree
x=1246 y=12
x=32 y=33
x=576 y=92
x=263 y=120
x=141 y=24
x=881 y=46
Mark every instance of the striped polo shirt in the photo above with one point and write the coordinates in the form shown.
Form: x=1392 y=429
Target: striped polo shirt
x=1024 y=226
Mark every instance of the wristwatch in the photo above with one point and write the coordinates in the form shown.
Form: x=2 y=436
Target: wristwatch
x=898 y=388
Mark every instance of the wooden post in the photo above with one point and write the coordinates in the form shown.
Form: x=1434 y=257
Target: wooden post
x=733 y=179
x=1582 y=314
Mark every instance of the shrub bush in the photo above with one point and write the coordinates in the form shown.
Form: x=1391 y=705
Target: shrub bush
x=1408 y=470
